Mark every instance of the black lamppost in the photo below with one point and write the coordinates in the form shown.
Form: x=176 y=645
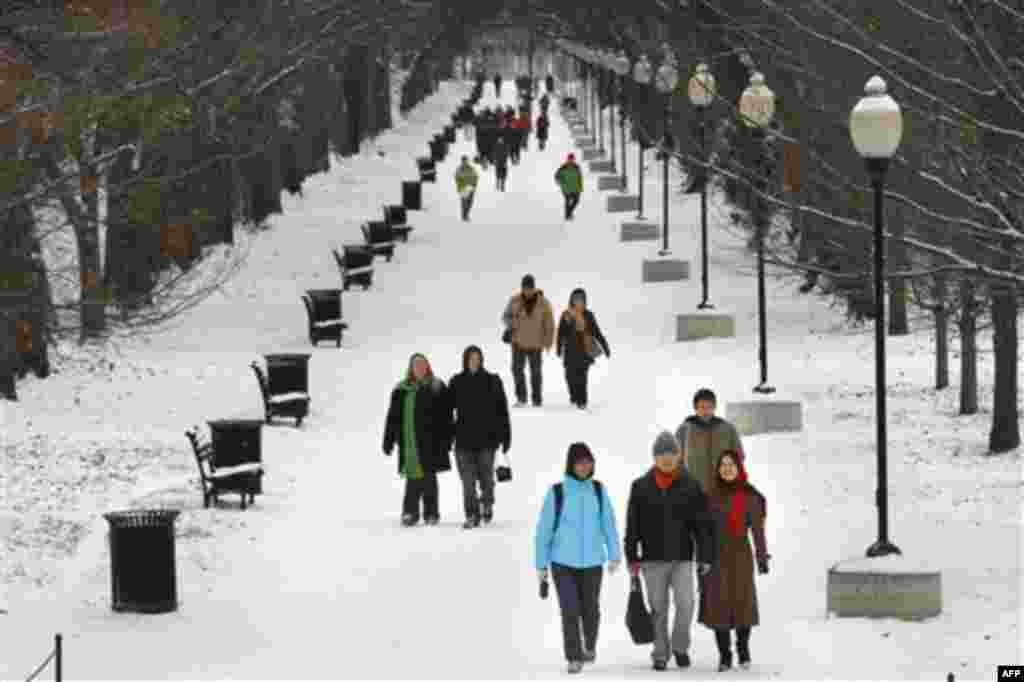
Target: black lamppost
x=606 y=61
x=757 y=107
x=702 y=93
x=876 y=126
x=668 y=78
x=642 y=75
x=620 y=64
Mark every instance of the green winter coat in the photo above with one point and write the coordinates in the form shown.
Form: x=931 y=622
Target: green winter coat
x=411 y=469
x=466 y=176
x=569 y=178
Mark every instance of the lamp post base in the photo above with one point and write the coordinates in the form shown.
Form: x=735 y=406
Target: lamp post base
x=664 y=252
x=764 y=388
x=882 y=548
x=704 y=305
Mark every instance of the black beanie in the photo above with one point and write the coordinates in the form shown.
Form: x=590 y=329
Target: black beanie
x=704 y=394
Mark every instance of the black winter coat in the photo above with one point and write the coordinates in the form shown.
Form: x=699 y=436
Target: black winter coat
x=433 y=427
x=663 y=525
x=481 y=410
x=568 y=345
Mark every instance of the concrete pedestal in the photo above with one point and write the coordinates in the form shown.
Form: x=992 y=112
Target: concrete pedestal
x=666 y=270
x=639 y=232
x=885 y=587
x=602 y=166
x=591 y=153
x=622 y=203
x=693 y=326
x=609 y=182
x=765 y=416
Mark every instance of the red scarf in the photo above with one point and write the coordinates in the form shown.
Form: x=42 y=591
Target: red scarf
x=735 y=518
x=663 y=480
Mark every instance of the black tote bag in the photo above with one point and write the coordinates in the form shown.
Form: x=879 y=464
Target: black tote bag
x=638 y=618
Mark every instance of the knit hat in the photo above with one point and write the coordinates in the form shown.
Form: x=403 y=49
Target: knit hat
x=704 y=394
x=528 y=282
x=665 y=444
x=571 y=157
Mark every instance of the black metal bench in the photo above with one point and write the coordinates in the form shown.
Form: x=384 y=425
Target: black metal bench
x=293 y=404
x=380 y=238
x=323 y=308
x=427 y=168
x=395 y=216
x=243 y=479
x=356 y=265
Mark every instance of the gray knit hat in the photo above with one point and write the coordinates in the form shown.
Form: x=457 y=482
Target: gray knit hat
x=665 y=444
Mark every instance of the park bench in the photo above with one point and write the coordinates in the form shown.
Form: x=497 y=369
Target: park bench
x=243 y=479
x=380 y=238
x=427 y=168
x=285 y=404
x=396 y=216
x=356 y=265
x=323 y=308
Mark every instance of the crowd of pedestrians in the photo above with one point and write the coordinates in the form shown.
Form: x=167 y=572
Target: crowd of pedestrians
x=695 y=524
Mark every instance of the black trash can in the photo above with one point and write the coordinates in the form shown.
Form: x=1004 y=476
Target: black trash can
x=449 y=133
x=412 y=195
x=436 y=151
x=427 y=168
x=143 y=575
x=237 y=441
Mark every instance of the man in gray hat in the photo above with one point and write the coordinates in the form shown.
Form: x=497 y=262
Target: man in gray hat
x=666 y=520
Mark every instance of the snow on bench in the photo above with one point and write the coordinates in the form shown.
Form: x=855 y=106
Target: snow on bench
x=288 y=397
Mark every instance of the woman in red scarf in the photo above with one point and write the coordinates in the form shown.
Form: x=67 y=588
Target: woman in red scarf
x=728 y=599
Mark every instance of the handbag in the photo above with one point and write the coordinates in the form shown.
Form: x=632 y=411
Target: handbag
x=596 y=350
x=504 y=471
x=506 y=336
x=638 y=618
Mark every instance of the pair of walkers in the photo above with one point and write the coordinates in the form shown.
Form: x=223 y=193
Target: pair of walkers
x=530 y=330
x=426 y=418
x=674 y=530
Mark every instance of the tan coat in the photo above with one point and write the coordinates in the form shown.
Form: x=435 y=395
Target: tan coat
x=530 y=332
x=703 y=444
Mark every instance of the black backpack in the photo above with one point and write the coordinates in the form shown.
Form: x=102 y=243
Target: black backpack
x=560 y=500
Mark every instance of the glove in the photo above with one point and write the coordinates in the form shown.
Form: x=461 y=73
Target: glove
x=542 y=575
x=387 y=451
x=703 y=570
x=762 y=564
x=634 y=568
x=613 y=566
x=504 y=448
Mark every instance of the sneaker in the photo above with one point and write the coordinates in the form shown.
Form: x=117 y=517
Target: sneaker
x=660 y=666
x=472 y=522
x=725 y=663
x=575 y=666
x=520 y=403
x=537 y=403
x=409 y=520
x=745 y=665
x=432 y=520
x=589 y=656
x=488 y=513
x=682 y=660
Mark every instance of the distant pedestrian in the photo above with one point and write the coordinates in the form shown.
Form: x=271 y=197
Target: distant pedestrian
x=497 y=85
x=418 y=422
x=481 y=424
x=545 y=102
x=570 y=180
x=466 y=179
x=550 y=83
x=704 y=437
x=531 y=324
x=729 y=598
x=500 y=163
x=668 y=529
x=580 y=343
x=575 y=535
x=542 y=130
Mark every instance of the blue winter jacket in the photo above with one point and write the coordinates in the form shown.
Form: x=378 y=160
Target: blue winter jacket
x=585 y=538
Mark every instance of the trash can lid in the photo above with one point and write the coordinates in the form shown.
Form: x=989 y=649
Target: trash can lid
x=142 y=517
x=323 y=293
x=294 y=357
x=235 y=423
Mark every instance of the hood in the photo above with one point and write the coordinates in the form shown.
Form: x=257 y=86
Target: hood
x=465 y=357
x=578 y=292
x=715 y=420
x=578 y=451
x=539 y=292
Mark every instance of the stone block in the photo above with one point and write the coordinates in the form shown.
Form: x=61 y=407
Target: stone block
x=892 y=586
x=666 y=270
x=602 y=166
x=609 y=182
x=691 y=326
x=621 y=203
x=765 y=416
x=591 y=153
x=639 y=232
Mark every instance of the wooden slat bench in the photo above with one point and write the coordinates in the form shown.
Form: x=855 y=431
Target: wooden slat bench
x=242 y=479
x=380 y=238
x=395 y=216
x=325 y=320
x=294 y=404
x=355 y=265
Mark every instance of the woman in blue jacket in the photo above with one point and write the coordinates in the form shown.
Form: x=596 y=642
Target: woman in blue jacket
x=576 y=543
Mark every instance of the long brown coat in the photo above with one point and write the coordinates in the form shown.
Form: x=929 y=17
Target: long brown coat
x=729 y=596
x=530 y=332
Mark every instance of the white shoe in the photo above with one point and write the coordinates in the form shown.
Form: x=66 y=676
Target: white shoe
x=575 y=666
x=520 y=403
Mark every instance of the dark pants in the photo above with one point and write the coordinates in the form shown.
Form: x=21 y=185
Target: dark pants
x=519 y=357
x=513 y=151
x=476 y=467
x=579 y=594
x=572 y=199
x=541 y=141
x=425 y=489
x=722 y=639
x=501 y=175
x=467 y=204
x=576 y=380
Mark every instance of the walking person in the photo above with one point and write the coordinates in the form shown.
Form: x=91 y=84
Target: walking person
x=418 y=422
x=549 y=82
x=531 y=324
x=580 y=343
x=542 y=130
x=500 y=163
x=466 y=179
x=576 y=535
x=728 y=600
x=704 y=437
x=497 y=85
x=545 y=102
x=481 y=424
x=570 y=180
x=668 y=529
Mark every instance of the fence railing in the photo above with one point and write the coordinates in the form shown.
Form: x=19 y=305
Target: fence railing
x=55 y=656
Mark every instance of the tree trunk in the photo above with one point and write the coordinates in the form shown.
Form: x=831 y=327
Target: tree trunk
x=1005 y=434
x=968 y=350
x=941 y=334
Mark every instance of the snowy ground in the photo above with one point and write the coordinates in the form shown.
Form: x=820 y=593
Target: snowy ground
x=318 y=580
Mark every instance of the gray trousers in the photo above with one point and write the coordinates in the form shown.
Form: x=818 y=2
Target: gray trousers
x=659 y=578
x=476 y=467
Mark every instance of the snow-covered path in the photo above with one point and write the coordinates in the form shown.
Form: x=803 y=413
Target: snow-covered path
x=319 y=581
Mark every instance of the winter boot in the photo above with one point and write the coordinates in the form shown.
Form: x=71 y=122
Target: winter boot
x=409 y=520
x=520 y=403
x=589 y=656
x=725 y=662
x=661 y=666
x=723 y=640
x=682 y=660
x=488 y=513
x=575 y=667
x=743 y=647
x=432 y=520
x=471 y=522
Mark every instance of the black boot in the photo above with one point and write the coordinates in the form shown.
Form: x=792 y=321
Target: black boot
x=724 y=643
x=743 y=646
x=488 y=513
